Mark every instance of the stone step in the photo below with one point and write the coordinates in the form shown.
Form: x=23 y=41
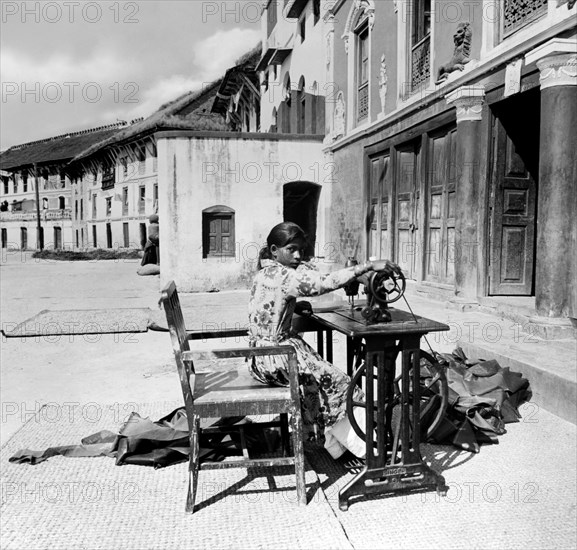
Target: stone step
x=519 y=309
x=549 y=365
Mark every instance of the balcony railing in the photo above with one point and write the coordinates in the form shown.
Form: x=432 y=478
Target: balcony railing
x=420 y=63
x=56 y=214
x=518 y=13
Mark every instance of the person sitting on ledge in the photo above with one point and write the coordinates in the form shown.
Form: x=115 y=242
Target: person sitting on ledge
x=152 y=247
x=281 y=278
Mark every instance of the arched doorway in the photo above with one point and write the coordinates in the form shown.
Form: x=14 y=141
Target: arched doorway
x=300 y=205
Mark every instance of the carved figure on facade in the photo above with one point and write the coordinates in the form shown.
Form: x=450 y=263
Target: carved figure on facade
x=461 y=56
x=329 y=50
x=339 y=116
x=383 y=79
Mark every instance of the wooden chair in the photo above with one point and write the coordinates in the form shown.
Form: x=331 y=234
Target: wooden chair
x=227 y=389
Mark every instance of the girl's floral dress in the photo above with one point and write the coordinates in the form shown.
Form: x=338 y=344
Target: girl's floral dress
x=271 y=307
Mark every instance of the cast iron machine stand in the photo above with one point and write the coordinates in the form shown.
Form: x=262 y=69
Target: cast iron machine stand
x=395 y=404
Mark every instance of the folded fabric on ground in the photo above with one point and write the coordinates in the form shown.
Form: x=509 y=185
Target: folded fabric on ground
x=162 y=443
x=483 y=397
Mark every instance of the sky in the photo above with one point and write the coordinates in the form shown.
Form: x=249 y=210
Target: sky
x=71 y=65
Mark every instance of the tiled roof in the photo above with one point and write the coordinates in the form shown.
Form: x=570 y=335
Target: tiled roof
x=58 y=149
x=183 y=113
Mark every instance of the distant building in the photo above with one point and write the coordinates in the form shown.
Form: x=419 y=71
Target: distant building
x=116 y=179
x=38 y=170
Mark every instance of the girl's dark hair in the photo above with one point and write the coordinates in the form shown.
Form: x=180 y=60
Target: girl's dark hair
x=280 y=235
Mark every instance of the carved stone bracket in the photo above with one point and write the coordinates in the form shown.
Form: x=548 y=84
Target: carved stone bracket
x=469 y=101
x=557 y=62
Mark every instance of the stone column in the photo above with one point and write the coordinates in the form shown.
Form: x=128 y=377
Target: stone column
x=557 y=196
x=469 y=101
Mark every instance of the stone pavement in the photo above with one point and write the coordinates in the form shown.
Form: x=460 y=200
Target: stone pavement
x=520 y=493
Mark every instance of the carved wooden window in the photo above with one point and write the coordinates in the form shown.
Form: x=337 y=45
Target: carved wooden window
x=420 y=43
x=109 y=206
x=301 y=107
x=141 y=158
x=124 y=164
x=125 y=201
x=24 y=182
x=108 y=177
x=94 y=205
x=363 y=72
x=518 y=13
x=141 y=199
x=218 y=232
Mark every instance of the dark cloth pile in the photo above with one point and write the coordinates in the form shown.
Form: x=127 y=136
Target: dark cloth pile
x=483 y=397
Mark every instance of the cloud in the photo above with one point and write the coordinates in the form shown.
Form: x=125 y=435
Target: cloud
x=101 y=67
x=153 y=97
x=218 y=52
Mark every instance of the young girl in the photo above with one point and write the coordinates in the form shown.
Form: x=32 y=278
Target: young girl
x=282 y=277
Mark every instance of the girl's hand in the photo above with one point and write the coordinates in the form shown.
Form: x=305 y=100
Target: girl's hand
x=390 y=268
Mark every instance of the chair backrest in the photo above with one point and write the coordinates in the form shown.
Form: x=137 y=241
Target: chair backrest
x=178 y=335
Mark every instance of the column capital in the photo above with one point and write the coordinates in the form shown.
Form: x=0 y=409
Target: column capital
x=557 y=62
x=469 y=101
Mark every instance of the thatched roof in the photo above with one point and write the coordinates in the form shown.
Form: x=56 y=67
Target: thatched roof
x=54 y=150
x=185 y=112
x=245 y=68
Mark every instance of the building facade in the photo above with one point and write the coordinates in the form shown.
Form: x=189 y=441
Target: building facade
x=450 y=137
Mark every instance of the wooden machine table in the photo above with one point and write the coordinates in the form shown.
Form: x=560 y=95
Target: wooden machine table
x=393 y=460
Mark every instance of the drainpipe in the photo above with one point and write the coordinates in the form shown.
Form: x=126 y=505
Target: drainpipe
x=39 y=243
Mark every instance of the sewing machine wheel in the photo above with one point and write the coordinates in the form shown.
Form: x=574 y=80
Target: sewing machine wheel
x=434 y=396
x=387 y=288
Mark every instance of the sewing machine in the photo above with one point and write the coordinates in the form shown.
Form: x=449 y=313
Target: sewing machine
x=381 y=289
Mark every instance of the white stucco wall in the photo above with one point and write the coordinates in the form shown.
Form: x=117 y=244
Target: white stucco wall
x=244 y=172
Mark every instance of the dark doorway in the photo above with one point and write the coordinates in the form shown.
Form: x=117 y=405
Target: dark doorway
x=23 y=238
x=108 y=236
x=513 y=202
x=300 y=204
x=57 y=238
x=4 y=238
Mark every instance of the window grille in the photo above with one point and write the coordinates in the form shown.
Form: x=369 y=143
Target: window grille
x=420 y=63
x=518 y=13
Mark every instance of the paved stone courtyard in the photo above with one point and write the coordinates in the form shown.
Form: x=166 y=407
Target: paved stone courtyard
x=55 y=390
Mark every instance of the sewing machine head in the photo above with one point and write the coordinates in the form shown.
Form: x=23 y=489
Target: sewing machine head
x=382 y=288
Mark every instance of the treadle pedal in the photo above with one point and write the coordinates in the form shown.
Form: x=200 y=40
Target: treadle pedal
x=352 y=463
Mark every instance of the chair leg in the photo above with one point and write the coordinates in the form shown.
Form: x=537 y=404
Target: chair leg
x=193 y=464
x=284 y=434
x=297 y=437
